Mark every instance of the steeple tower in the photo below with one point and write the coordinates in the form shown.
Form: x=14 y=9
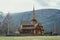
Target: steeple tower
x=33 y=16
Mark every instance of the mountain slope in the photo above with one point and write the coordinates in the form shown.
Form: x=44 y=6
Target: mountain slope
x=47 y=17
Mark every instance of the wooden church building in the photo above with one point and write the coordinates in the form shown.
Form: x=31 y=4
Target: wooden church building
x=31 y=27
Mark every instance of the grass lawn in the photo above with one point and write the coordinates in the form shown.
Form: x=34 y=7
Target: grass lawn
x=30 y=38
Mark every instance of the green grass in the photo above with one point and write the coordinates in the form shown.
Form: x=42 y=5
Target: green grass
x=31 y=38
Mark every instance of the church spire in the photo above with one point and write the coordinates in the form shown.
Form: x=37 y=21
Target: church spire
x=33 y=14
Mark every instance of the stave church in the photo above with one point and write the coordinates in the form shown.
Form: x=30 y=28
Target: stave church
x=32 y=26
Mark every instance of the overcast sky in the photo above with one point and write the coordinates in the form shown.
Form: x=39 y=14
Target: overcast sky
x=50 y=3
x=13 y=6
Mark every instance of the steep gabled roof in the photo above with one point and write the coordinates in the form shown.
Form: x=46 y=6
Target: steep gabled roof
x=26 y=23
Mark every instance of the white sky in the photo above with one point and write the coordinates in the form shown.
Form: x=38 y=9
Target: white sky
x=49 y=3
x=13 y=6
